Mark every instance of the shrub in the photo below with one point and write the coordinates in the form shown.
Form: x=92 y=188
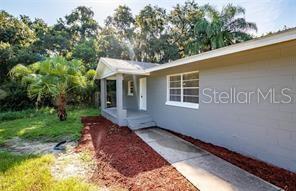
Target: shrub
x=14 y=97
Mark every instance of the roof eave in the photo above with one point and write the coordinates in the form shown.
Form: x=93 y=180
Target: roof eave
x=101 y=63
x=108 y=75
x=236 y=48
x=135 y=72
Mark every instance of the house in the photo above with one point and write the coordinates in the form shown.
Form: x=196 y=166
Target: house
x=241 y=97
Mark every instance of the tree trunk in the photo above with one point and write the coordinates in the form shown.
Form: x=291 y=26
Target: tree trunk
x=62 y=114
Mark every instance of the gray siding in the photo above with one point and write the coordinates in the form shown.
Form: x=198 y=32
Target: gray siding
x=263 y=131
x=130 y=102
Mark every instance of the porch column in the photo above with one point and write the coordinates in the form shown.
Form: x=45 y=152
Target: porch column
x=103 y=94
x=121 y=113
x=136 y=90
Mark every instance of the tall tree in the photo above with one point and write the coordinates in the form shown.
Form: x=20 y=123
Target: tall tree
x=181 y=24
x=58 y=41
x=152 y=36
x=122 y=21
x=81 y=23
x=14 y=31
x=88 y=51
x=74 y=28
x=117 y=35
x=111 y=45
x=219 y=29
x=15 y=41
x=41 y=30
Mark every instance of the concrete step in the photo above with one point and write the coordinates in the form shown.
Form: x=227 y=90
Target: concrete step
x=110 y=117
x=135 y=126
x=140 y=122
x=142 y=119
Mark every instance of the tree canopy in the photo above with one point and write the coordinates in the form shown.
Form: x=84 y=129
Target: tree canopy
x=219 y=29
x=153 y=35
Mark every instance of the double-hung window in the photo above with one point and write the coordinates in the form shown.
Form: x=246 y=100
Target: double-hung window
x=183 y=89
x=130 y=88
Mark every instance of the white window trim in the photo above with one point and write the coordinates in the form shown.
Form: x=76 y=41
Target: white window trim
x=181 y=103
x=129 y=93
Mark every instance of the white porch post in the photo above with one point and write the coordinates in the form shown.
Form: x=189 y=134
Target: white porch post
x=136 y=90
x=121 y=113
x=103 y=93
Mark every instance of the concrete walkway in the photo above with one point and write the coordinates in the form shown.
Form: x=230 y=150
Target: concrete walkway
x=204 y=170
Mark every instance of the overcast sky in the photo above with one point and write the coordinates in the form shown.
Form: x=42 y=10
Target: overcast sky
x=269 y=15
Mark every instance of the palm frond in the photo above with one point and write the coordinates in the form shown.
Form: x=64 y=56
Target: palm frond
x=240 y=24
x=19 y=71
x=230 y=11
x=53 y=76
x=210 y=12
x=90 y=75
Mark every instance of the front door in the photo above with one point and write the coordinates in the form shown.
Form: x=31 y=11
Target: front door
x=143 y=94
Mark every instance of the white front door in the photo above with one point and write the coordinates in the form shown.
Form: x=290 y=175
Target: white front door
x=143 y=94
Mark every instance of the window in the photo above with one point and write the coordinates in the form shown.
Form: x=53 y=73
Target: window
x=130 y=88
x=183 y=89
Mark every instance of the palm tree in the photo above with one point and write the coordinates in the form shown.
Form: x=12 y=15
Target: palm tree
x=219 y=29
x=52 y=77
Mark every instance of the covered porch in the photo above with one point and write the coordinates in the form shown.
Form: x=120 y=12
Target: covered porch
x=130 y=108
x=135 y=119
x=130 y=113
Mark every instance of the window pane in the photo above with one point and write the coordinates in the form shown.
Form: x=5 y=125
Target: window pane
x=191 y=91
x=175 y=84
x=190 y=76
x=190 y=99
x=175 y=91
x=191 y=83
x=130 y=87
x=175 y=98
x=175 y=78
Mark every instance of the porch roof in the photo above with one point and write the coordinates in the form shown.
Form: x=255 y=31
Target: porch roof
x=110 y=66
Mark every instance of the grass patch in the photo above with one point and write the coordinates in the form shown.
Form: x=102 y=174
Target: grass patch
x=31 y=172
x=25 y=172
x=28 y=113
x=45 y=125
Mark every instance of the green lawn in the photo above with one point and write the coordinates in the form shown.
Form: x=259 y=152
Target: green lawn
x=43 y=125
x=32 y=172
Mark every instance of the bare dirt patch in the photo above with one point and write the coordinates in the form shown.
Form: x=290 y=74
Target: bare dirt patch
x=275 y=175
x=68 y=163
x=123 y=159
x=72 y=164
x=20 y=146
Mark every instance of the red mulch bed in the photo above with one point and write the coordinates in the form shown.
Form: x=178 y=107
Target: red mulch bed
x=277 y=176
x=125 y=161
